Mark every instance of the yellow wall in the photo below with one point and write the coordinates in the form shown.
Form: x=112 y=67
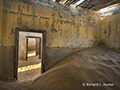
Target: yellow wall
x=67 y=31
x=110 y=31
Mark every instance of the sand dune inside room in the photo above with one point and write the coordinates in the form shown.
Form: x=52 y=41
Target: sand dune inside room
x=94 y=65
x=59 y=44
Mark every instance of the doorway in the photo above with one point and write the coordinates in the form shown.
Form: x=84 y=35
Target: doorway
x=33 y=47
x=30 y=54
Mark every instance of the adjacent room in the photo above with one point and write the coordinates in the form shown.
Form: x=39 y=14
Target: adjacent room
x=59 y=44
x=29 y=55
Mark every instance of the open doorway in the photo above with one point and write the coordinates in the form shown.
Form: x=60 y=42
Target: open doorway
x=33 y=47
x=30 y=52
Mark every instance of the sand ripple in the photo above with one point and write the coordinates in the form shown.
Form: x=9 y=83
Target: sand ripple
x=91 y=66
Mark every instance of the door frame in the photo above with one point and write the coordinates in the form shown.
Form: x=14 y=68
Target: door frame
x=17 y=49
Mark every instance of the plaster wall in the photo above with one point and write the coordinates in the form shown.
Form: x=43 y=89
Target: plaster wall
x=110 y=31
x=68 y=30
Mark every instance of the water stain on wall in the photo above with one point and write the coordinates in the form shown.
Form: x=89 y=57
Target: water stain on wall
x=109 y=28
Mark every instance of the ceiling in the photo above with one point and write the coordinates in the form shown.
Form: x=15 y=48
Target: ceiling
x=89 y=4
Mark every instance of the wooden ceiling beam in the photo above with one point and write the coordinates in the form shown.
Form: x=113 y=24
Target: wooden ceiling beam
x=58 y=1
x=103 y=5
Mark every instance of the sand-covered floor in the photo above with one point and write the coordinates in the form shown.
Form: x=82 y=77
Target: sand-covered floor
x=29 y=66
x=96 y=68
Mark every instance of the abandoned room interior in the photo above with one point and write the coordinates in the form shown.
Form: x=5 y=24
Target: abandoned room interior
x=59 y=44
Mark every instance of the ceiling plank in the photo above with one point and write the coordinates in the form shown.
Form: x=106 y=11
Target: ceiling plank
x=83 y=3
x=58 y=1
x=103 y=5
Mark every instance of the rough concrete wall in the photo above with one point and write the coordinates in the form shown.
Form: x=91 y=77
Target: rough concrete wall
x=68 y=30
x=110 y=31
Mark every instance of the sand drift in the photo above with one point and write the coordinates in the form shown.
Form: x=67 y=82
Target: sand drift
x=95 y=68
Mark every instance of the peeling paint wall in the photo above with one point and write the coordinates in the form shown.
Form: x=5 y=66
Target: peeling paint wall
x=68 y=30
x=110 y=31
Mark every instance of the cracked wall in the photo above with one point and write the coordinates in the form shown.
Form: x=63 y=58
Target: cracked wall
x=68 y=30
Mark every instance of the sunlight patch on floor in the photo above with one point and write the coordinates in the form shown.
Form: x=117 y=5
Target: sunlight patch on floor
x=31 y=54
x=31 y=67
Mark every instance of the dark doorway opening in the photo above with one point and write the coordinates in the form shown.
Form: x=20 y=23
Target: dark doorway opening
x=30 y=54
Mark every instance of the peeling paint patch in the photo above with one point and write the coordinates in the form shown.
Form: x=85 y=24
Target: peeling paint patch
x=105 y=31
x=54 y=30
x=77 y=32
x=18 y=18
x=109 y=28
x=86 y=27
x=47 y=23
x=12 y=31
x=66 y=16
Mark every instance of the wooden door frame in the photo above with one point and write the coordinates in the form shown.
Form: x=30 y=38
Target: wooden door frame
x=17 y=48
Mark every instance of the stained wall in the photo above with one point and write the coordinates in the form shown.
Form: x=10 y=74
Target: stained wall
x=110 y=29
x=68 y=30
